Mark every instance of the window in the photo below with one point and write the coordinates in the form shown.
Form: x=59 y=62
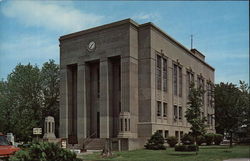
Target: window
x=176 y=134
x=158 y=72
x=175 y=79
x=180 y=81
x=165 y=106
x=166 y=134
x=190 y=80
x=209 y=94
x=126 y=126
x=165 y=68
x=175 y=112
x=158 y=108
x=201 y=85
x=181 y=134
x=180 y=113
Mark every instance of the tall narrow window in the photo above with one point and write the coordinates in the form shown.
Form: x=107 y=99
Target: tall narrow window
x=190 y=80
x=166 y=133
x=180 y=113
x=158 y=108
x=175 y=112
x=165 y=109
x=126 y=125
x=165 y=68
x=158 y=72
x=175 y=79
x=180 y=81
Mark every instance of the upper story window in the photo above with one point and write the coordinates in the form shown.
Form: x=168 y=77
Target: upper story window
x=165 y=108
x=209 y=94
x=175 y=112
x=201 y=85
x=190 y=80
x=165 y=69
x=180 y=113
x=158 y=108
x=175 y=79
x=158 y=72
x=180 y=81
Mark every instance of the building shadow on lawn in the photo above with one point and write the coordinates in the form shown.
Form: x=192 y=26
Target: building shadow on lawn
x=182 y=153
x=214 y=147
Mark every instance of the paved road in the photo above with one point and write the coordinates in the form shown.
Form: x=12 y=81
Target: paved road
x=238 y=159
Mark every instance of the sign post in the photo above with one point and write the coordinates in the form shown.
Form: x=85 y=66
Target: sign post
x=37 y=131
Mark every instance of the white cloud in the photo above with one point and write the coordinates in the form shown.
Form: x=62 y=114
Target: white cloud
x=147 y=16
x=49 y=15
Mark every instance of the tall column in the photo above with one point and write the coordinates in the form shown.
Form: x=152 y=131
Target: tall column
x=81 y=101
x=63 y=104
x=129 y=95
x=104 y=98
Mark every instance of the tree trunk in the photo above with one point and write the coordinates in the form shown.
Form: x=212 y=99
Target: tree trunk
x=231 y=139
x=195 y=143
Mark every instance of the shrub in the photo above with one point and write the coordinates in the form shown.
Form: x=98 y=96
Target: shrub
x=172 y=141
x=209 y=137
x=44 y=151
x=155 y=142
x=218 y=139
x=200 y=140
x=186 y=148
x=187 y=139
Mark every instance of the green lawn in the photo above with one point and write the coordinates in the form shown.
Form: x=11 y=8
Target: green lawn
x=206 y=153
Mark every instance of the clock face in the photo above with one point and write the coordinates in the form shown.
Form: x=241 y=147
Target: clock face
x=91 y=46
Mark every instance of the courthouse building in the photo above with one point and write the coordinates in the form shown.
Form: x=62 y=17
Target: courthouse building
x=125 y=81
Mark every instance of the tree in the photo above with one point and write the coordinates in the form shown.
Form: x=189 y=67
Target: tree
x=50 y=75
x=21 y=101
x=231 y=107
x=27 y=96
x=193 y=113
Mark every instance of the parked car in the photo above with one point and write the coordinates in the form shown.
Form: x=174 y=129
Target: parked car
x=6 y=147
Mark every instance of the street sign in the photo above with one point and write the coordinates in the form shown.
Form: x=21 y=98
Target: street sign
x=37 y=131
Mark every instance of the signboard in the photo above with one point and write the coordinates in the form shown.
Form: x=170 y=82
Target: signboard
x=64 y=143
x=37 y=131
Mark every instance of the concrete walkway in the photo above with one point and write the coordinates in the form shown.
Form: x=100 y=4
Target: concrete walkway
x=238 y=159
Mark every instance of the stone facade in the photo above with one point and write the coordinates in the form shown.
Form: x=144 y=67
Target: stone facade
x=125 y=81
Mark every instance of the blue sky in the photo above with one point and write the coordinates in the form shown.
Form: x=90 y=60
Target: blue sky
x=29 y=30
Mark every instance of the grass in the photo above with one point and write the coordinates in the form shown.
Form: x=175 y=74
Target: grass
x=206 y=153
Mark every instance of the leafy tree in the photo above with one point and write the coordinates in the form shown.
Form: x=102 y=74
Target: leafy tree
x=231 y=107
x=26 y=97
x=50 y=75
x=193 y=113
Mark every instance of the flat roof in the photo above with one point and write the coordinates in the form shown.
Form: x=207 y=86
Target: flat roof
x=132 y=22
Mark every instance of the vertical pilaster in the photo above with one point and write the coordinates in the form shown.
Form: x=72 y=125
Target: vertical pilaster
x=81 y=101
x=63 y=104
x=104 y=98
